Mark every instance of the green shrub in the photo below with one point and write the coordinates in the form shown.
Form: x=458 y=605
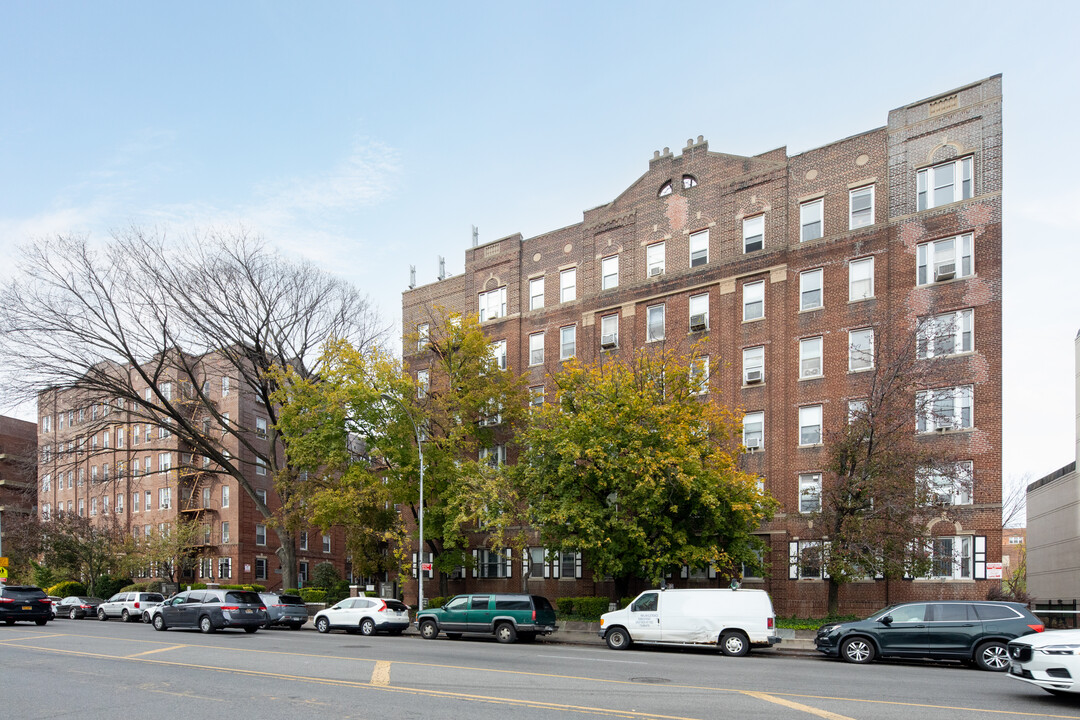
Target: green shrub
x=313 y=595
x=796 y=623
x=437 y=602
x=106 y=586
x=564 y=606
x=325 y=576
x=66 y=588
x=625 y=602
x=591 y=608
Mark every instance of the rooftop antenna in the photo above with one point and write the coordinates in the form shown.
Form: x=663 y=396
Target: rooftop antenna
x=475 y=236
x=412 y=276
x=442 y=268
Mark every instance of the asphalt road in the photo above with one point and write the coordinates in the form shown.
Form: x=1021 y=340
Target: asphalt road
x=90 y=669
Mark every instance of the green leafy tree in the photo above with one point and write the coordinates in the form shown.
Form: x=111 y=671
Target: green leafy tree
x=634 y=465
x=166 y=552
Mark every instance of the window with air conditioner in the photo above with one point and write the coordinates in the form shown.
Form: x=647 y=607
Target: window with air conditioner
x=699 y=248
x=536 y=349
x=754 y=430
x=567 y=342
x=944 y=409
x=699 y=312
x=809 y=493
x=861 y=279
x=654 y=259
x=609 y=272
x=753 y=362
x=945 y=183
x=861 y=349
x=753 y=301
x=654 y=323
x=753 y=233
x=260 y=427
x=493 y=304
x=536 y=293
x=946 y=334
x=810 y=425
x=568 y=285
x=609 y=332
x=945 y=259
x=810 y=220
x=810 y=365
x=810 y=289
x=861 y=207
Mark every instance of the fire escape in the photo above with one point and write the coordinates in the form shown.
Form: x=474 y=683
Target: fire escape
x=196 y=483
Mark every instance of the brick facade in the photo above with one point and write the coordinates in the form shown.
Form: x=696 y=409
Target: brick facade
x=18 y=446
x=714 y=193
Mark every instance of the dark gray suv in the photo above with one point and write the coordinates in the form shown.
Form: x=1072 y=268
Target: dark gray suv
x=288 y=610
x=210 y=610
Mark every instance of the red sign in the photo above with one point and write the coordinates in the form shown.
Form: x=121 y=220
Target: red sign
x=425 y=567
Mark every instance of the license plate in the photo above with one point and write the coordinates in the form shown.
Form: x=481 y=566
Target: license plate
x=247 y=612
x=1015 y=669
x=27 y=607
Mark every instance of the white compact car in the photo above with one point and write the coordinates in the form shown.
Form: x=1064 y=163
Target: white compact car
x=364 y=615
x=1050 y=660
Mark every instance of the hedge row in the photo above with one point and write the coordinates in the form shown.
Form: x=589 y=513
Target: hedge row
x=66 y=588
x=586 y=608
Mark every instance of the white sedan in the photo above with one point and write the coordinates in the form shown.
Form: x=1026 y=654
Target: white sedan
x=1050 y=660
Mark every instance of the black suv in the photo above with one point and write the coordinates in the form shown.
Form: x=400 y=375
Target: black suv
x=210 y=610
x=24 y=602
x=975 y=631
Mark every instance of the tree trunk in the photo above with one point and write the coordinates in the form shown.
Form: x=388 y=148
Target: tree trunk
x=286 y=553
x=833 y=605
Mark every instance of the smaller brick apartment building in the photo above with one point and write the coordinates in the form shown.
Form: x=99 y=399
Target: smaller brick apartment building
x=18 y=446
x=99 y=459
x=785 y=267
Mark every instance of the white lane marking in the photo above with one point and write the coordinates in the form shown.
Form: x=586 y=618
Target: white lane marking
x=571 y=657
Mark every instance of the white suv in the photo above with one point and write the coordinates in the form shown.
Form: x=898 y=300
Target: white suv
x=128 y=606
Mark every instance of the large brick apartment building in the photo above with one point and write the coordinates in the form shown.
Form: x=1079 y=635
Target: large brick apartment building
x=787 y=267
x=100 y=459
x=18 y=445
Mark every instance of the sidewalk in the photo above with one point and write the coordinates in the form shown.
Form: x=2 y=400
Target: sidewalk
x=794 y=642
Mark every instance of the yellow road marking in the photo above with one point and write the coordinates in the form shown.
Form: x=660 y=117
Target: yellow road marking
x=796 y=706
x=380 y=676
x=156 y=650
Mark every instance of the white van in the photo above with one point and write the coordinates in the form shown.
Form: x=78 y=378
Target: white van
x=734 y=620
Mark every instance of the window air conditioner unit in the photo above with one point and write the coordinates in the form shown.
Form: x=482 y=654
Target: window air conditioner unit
x=753 y=376
x=943 y=427
x=753 y=444
x=609 y=341
x=657 y=270
x=945 y=271
x=811 y=371
x=697 y=322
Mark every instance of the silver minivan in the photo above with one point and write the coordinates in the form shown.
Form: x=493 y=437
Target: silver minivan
x=129 y=606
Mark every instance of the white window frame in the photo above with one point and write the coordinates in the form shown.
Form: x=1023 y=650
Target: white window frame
x=536 y=349
x=811 y=213
x=811 y=357
x=753 y=295
x=568 y=285
x=861 y=350
x=164 y=498
x=609 y=272
x=260 y=534
x=811 y=282
x=932 y=414
x=303 y=540
x=930 y=180
x=326 y=545
x=567 y=342
x=798 y=551
x=952 y=557
x=857 y=409
x=148 y=496
x=225 y=537
x=931 y=259
x=753 y=232
x=655 y=323
x=260 y=466
x=860 y=279
x=699 y=248
x=224 y=496
x=810 y=425
x=423 y=384
x=423 y=336
x=957 y=327
x=809 y=493
x=863 y=216
x=753 y=359
x=754 y=428
x=609 y=325
x=494 y=456
x=492 y=304
x=699 y=375
x=951 y=486
x=698 y=305
x=536 y=293
x=498 y=353
x=655 y=259
x=260 y=427
x=536 y=396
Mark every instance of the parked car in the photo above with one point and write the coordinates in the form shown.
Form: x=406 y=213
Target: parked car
x=210 y=610
x=1050 y=660
x=364 y=615
x=24 y=602
x=77 y=607
x=53 y=599
x=128 y=606
x=288 y=610
x=506 y=616
x=733 y=620
x=976 y=632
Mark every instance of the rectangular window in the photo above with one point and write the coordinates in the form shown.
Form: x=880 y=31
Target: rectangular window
x=82 y=507
x=326 y=543
x=225 y=533
x=810 y=297
x=536 y=293
x=753 y=233
x=809 y=493
x=164 y=462
x=807 y=560
x=303 y=573
x=493 y=456
x=224 y=496
x=493 y=304
x=609 y=332
x=857 y=410
x=861 y=207
x=260 y=427
x=754 y=430
x=93 y=474
x=699 y=375
x=260 y=569
x=119 y=502
x=119 y=438
x=303 y=540
x=753 y=301
x=260 y=534
x=947 y=334
x=810 y=365
x=567 y=342
x=945 y=259
x=944 y=409
x=164 y=498
x=568 y=285
x=423 y=336
x=491 y=563
x=945 y=183
x=753 y=365
x=951 y=558
x=93 y=506
x=949 y=484
x=810 y=220
x=423 y=383
x=536 y=349
x=861 y=279
x=149 y=498
x=861 y=349
x=609 y=272
x=536 y=396
x=260 y=466
x=655 y=322
x=810 y=425
x=699 y=248
x=654 y=259
x=498 y=353
x=134 y=502
x=699 y=312
x=224 y=568
x=260 y=495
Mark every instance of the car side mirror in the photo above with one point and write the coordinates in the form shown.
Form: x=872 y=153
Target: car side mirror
x=887 y=620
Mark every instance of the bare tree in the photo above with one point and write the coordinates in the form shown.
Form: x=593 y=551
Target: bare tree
x=1014 y=501
x=143 y=322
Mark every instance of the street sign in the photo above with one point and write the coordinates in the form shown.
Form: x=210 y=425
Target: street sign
x=3 y=573
x=425 y=567
x=3 y=562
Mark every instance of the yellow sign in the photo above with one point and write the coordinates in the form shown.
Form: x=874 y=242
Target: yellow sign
x=3 y=573
x=3 y=562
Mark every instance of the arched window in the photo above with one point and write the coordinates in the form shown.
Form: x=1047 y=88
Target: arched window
x=665 y=189
x=688 y=181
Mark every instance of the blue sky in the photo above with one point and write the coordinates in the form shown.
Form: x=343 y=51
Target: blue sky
x=371 y=136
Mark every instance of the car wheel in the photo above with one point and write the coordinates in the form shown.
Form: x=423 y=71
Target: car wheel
x=505 y=633
x=250 y=630
x=734 y=644
x=992 y=656
x=159 y=622
x=205 y=625
x=41 y=621
x=367 y=626
x=429 y=630
x=618 y=639
x=125 y=617
x=322 y=625
x=101 y=615
x=145 y=618
x=857 y=650
x=74 y=615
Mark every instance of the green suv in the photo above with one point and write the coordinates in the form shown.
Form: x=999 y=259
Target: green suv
x=507 y=617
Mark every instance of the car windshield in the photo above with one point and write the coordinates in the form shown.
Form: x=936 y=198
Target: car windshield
x=290 y=600
x=152 y=597
x=396 y=605
x=881 y=613
x=24 y=593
